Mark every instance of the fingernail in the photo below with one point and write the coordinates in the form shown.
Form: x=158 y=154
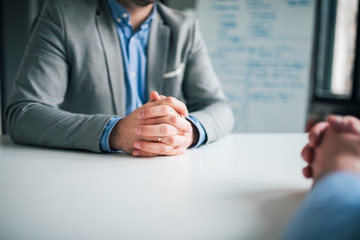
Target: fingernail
x=136 y=153
x=138 y=131
x=137 y=145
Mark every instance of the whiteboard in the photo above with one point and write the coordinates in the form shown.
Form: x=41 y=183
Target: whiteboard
x=262 y=51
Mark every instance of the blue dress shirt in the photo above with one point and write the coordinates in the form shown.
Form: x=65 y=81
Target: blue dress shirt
x=330 y=211
x=134 y=49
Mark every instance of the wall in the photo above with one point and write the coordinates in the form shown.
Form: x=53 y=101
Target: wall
x=16 y=19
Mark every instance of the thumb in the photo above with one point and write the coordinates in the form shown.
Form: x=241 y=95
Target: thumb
x=154 y=96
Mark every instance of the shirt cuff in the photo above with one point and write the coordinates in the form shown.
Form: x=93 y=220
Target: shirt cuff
x=201 y=130
x=104 y=140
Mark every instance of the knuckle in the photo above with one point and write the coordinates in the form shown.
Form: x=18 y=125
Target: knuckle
x=349 y=118
x=174 y=120
x=353 y=125
x=165 y=109
x=147 y=112
x=170 y=100
x=171 y=140
x=165 y=129
x=139 y=130
x=163 y=149
x=144 y=130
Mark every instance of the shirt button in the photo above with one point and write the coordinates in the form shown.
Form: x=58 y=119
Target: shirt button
x=125 y=15
x=118 y=20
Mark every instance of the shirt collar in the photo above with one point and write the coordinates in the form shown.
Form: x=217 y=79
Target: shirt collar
x=122 y=16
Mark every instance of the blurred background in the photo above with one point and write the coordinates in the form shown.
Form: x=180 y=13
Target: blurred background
x=284 y=64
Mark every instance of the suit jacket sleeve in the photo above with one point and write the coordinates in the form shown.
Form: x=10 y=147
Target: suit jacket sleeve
x=203 y=93
x=330 y=211
x=33 y=113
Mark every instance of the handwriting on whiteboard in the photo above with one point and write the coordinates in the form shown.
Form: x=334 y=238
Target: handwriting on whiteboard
x=261 y=51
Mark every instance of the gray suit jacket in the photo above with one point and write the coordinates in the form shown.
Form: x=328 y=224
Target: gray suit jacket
x=71 y=80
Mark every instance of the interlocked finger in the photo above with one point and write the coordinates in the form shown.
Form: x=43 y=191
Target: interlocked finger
x=174 y=120
x=160 y=130
x=316 y=134
x=171 y=102
x=155 y=148
x=307 y=171
x=157 y=111
x=345 y=124
x=173 y=152
x=175 y=140
x=308 y=154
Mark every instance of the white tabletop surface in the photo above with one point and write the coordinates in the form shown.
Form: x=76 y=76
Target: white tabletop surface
x=240 y=187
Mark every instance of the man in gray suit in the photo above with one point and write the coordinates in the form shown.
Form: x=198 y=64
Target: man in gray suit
x=90 y=72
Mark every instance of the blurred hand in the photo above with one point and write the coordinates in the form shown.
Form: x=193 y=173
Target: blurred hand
x=339 y=124
x=337 y=151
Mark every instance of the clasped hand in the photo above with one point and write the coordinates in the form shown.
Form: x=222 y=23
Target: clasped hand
x=333 y=145
x=159 y=127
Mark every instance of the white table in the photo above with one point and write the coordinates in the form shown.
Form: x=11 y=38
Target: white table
x=241 y=187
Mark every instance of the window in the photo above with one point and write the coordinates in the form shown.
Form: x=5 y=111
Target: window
x=337 y=47
x=335 y=71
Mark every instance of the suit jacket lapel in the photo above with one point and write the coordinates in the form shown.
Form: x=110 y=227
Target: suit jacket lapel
x=157 y=54
x=113 y=55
